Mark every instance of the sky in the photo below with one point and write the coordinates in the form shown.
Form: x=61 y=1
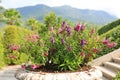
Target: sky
x=110 y=6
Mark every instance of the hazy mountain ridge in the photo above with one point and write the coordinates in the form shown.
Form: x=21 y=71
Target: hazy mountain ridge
x=74 y=14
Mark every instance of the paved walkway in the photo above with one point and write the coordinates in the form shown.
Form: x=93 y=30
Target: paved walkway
x=7 y=73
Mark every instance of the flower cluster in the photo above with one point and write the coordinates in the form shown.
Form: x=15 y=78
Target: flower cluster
x=66 y=47
x=109 y=44
x=79 y=27
x=32 y=67
x=11 y=56
x=32 y=38
x=14 y=47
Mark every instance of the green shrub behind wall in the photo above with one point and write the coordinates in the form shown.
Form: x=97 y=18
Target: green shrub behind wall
x=109 y=26
x=113 y=35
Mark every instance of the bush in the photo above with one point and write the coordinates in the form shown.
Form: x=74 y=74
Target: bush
x=14 y=37
x=66 y=48
x=16 y=58
x=1 y=56
x=1 y=52
x=109 y=26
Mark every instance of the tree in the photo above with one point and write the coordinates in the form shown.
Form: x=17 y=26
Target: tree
x=50 y=20
x=1 y=13
x=33 y=23
x=12 y=17
x=59 y=21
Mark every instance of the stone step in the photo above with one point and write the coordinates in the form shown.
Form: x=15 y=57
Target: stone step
x=109 y=74
x=7 y=78
x=116 y=60
x=112 y=66
x=103 y=78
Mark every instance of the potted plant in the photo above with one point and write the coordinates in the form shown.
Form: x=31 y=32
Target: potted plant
x=61 y=52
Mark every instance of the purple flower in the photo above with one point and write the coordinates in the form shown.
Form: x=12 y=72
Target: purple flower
x=69 y=30
x=63 y=41
x=52 y=40
x=82 y=27
x=83 y=42
x=69 y=48
x=78 y=27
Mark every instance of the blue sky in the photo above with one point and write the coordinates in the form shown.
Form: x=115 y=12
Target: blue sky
x=111 y=6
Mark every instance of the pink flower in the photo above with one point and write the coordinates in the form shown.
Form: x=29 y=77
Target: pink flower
x=106 y=42
x=46 y=54
x=51 y=29
x=82 y=54
x=35 y=36
x=95 y=50
x=92 y=32
x=111 y=45
x=28 y=38
x=89 y=55
x=33 y=67
x=69 y=48
x=78 y=27
x=23 y=66
x=82 y=27
x=63 y=41
x=12 y=56
x=14 y=47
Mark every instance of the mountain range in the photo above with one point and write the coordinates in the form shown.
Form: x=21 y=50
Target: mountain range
x=67 y=12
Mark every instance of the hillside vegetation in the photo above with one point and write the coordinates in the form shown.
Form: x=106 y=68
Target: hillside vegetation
x=112 y=35
x=109 y=26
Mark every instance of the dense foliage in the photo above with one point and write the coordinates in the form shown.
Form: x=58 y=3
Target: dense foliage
x=109 y=26
x=54 y=44
x=63 y=48
x=117 y=76
x=13 y=38
x=1 y=52
x=112 y=35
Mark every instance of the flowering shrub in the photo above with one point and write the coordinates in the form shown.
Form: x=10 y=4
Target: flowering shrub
x=64 y=49
x=34 y=48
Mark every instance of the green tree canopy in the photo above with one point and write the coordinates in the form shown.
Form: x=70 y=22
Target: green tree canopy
x=1 y=13
x=12 y=17
x=50 y=19
x=34 y=24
